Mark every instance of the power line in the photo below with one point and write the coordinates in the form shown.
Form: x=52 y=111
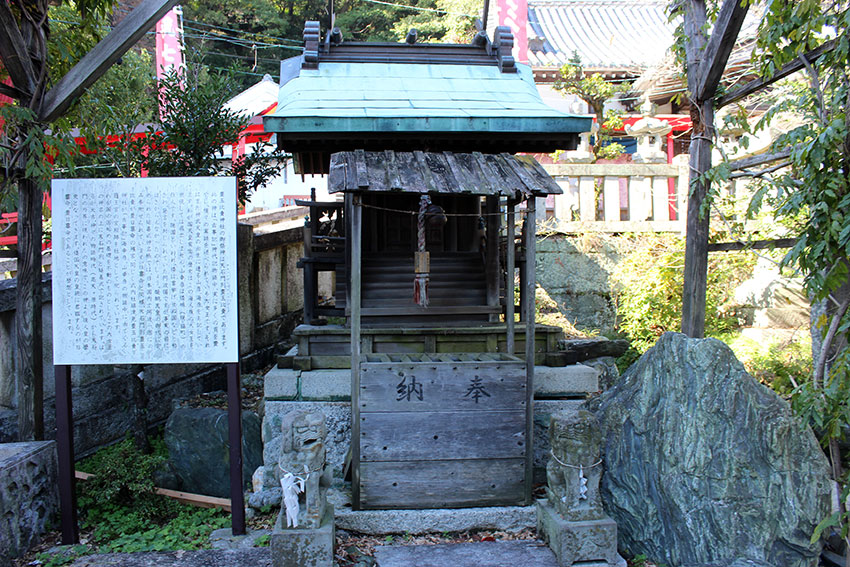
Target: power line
x=421 y=9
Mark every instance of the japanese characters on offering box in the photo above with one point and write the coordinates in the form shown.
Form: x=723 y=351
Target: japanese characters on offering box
x=144 y=270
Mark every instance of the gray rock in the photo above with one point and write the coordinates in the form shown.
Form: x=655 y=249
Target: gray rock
x=579 y=350
x=303 y=547
x=609 y=374
x=198 y=448
x=29 y=497
x=265 y=497
x=527 y=553
x=704 y=464
x=223 y=538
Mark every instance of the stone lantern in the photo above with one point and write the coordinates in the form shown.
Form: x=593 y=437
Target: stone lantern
x=650 y=133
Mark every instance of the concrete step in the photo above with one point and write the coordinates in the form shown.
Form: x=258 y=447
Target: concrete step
x=527 y=553
x=437 y=520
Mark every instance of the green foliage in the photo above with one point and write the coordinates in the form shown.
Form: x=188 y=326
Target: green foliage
x=595 y=91
x=119 y=504
x=263 y=541
x=195 y=127
x=451 y=21
x=780 y=364
x=648 y=290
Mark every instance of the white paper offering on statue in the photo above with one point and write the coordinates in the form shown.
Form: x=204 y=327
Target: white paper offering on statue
x=144 y=270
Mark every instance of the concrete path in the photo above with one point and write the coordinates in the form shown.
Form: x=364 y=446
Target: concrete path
x=255 y=557
x=522 y=553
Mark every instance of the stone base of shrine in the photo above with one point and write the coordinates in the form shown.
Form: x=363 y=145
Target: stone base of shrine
x=303 y=547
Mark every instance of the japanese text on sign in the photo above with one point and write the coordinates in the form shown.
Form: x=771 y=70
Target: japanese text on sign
x=144 y=270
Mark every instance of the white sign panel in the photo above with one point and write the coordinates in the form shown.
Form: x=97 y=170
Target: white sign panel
x=144 y=270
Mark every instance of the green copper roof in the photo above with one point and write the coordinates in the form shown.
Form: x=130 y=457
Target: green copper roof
x=349 y=98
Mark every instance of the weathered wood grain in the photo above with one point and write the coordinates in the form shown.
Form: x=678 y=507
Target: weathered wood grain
x=415 y=436
x=730 y=18
x=442 y=484
x=445 y=387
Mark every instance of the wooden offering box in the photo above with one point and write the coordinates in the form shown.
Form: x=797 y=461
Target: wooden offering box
x=442 y=430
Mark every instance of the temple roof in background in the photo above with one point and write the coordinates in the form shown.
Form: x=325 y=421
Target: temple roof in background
x=628 y=35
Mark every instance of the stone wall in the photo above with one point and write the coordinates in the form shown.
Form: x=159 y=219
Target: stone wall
x=575 y=272
x=270 y=300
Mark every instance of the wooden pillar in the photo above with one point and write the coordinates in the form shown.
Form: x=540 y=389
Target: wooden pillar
x=696 y=237
x=65 y=455
x=234 y=435
x=494 y=222
x=530 y=251
x=354 y=269
x=29 y=366
x=509 y=279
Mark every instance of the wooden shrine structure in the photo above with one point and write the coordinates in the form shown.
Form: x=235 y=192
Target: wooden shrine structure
x=419 y=140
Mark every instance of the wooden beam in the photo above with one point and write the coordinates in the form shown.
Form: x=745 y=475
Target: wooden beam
x=754 y=245
x=355 y=235
x=720 y=45
x=530 y=287
x=749 y=88
x=761 y=159
x=14 y=53
x=108 y=50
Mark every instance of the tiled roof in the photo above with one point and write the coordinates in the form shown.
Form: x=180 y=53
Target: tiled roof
x=607 y=34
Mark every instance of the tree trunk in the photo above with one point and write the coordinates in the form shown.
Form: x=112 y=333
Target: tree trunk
x=28 y=328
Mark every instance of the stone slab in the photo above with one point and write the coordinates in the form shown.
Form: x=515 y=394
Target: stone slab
x=589 y=542
x=335 y=385
x=29 y=495
x=256 y=557
x=223 y=538
x=281 y=384
x=527 y=553
x=303 y=547
x=380 y=522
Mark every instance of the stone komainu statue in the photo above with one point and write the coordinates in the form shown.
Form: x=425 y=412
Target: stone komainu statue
x=575 y=466
x=301 y=468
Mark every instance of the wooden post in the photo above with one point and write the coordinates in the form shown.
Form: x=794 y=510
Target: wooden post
x=494 y=221
x=65 y=454
x=509 y=278
x=28 y=327
x=354 y=269
x=234 y=419
x=530 y=251
x=696 y=237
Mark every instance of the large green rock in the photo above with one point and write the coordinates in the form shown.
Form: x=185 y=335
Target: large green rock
x=199 y=449
x=703 y=464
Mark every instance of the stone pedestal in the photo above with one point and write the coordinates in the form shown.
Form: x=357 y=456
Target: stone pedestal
x=590 y=543
x=303 y=547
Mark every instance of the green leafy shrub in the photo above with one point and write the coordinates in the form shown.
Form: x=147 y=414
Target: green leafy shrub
x=119 y=504
x=648 y=290
x=779 y=364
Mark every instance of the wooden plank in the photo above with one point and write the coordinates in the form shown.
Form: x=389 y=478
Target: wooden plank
x=756 y=85
x=442 y=484
x=416 y=436
x=611 y=198
x=360 y=169
x=530 y=342
x=510 y=277
x=107 y=51
x=614 y=169
x=730 y=18
x=356 y=242
x=199 y=500
x=443 y=386
x=392 y=171
x=587 y=199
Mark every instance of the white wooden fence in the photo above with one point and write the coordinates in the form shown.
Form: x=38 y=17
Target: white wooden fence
x=632 y=197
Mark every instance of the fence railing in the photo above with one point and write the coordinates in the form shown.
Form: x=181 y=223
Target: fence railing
x=631 y=197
